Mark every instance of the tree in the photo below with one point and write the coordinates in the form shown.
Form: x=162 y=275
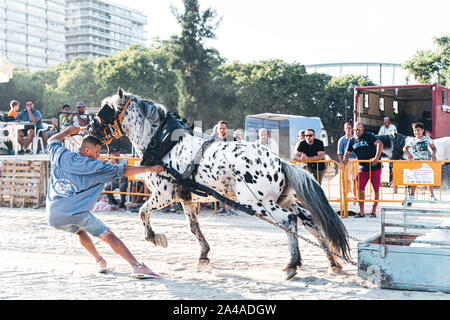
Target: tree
x=338 y=94
x=432 y=66
x=194 y=63
x=271 y=86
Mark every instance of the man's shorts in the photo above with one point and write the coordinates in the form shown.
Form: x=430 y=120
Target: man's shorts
x=375 y=179
x=26 y=129
x=89 y=224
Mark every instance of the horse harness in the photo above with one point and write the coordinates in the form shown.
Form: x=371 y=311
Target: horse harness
x=162 y=143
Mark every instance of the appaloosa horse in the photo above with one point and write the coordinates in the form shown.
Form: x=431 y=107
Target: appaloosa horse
x=244 y=172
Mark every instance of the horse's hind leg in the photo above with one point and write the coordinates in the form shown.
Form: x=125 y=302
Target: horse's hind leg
x=308 y=224
x=295 y=260
x=190 y=210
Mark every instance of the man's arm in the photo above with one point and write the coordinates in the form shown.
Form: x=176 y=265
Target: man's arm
x=31 y=115
x=380 y=146
x=132 y=171
x=66 y=132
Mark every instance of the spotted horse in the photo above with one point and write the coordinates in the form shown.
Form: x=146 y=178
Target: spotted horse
x=249 y=174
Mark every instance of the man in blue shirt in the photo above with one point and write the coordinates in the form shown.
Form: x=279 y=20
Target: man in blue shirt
x=26 y=135
x=76 y=181
x=366 y=147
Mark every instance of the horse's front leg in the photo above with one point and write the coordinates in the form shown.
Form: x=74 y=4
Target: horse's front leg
x=152 y=204
x=190 y=210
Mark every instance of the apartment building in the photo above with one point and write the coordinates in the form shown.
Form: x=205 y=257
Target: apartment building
x=32 y=33
x=96 y=28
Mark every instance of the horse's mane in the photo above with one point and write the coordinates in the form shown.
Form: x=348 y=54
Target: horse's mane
x=115 y=100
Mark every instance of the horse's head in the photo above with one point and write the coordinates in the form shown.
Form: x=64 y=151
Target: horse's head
x=125 y=114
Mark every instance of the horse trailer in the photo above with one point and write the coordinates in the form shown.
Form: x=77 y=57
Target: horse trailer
x=283 y=128
x=427 y=103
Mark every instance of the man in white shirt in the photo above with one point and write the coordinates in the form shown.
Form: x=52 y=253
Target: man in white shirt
x=81 y=118
x=264 y=139
x=388 y=128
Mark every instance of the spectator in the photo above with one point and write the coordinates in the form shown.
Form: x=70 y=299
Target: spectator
x=264 y=140
x=342 y=146
x=65 y=118
x=26 y=135
x=301 y=137
x=222 y=130
x=388 y=128
x=115 y=152
x=420 y=147
x=14 y=107
x=81 y=118
x=366 y=147
x=238 y=136
x=215 y=131
x=312 y=149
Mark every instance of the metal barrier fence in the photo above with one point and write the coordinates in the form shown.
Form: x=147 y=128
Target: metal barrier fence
x=339 y=182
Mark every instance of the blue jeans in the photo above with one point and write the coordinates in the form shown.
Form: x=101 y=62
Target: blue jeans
x=89 y=224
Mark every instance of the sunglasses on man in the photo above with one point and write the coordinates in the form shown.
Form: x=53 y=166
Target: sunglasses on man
x=309 y=135
x=357 y=130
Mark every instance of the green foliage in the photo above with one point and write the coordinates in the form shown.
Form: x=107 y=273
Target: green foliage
x=194 y=63
x=432 y=66
x=144 y=72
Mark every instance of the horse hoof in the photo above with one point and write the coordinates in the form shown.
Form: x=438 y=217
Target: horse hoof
x=203 y=262
x=290 y=273
x=334 y=269
x=161 y=241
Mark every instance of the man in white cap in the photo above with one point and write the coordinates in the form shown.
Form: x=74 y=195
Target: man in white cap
x=81 y=118
x=388 y=128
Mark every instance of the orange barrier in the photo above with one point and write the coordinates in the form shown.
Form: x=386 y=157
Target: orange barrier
x=339 y=182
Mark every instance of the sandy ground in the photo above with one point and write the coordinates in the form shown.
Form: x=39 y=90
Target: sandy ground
x=38 y=262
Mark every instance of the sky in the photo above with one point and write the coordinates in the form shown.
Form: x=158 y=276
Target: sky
x=312 y=31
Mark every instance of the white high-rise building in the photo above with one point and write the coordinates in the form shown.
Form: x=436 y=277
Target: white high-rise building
x=96 y=28
x=32 y=32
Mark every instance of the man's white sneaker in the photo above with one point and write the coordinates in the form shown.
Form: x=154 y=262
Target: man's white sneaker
x=141 y=271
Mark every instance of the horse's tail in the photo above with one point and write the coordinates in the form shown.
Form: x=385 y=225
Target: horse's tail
x=311 y=195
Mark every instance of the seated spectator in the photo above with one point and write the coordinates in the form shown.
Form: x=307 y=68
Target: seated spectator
x=65 y=119
x=81 y=118
x=26 y=135
x=14 y=107
x=115 y=152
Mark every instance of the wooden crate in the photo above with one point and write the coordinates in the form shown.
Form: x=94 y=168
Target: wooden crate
x=22 y=183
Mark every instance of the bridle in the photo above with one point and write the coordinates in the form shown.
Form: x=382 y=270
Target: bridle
x=115 y=129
